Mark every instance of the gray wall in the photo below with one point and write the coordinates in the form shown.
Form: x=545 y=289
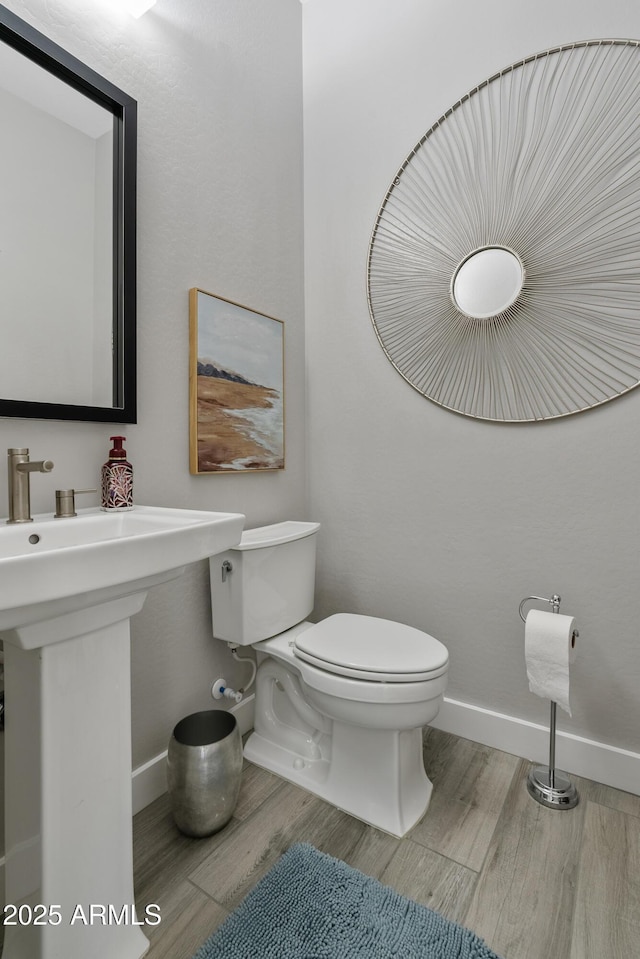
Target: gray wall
x=428 y=517
x=219 y=94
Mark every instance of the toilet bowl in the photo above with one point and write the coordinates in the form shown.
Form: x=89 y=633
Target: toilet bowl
x=340 y=705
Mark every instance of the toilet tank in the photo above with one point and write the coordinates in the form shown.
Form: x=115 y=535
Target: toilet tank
x=270 y=585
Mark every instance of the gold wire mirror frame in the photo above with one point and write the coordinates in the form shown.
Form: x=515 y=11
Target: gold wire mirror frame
x=541 y=160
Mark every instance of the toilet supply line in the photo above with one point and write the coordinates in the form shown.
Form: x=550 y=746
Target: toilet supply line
x=244 y=659
x=220 y=688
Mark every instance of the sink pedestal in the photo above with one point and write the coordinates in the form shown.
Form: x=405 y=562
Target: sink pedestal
x=68 y=802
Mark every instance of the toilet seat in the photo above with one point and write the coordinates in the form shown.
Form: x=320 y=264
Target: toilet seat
x=371 y=649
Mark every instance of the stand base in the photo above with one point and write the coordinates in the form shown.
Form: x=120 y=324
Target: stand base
x=561 y=795
x=68 y=789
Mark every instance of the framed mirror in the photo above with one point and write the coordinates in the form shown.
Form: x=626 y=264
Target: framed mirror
x=503 y=276
x=67 y=235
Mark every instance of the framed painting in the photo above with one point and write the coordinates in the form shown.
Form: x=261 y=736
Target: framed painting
x=236 y=387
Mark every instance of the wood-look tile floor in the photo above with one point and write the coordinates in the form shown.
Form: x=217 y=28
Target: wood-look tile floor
x=533 y=882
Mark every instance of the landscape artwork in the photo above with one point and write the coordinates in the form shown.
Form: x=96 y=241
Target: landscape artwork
x=236 y=387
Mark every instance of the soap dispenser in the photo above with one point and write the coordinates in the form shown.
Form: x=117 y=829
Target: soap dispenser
x=117 y=478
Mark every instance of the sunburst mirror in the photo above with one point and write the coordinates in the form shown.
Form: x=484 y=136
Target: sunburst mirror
x=504 y=264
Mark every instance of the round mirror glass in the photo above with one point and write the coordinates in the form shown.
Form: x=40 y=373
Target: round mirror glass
x=487 y=282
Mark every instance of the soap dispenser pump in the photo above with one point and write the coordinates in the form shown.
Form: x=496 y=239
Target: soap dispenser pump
x=117 y=478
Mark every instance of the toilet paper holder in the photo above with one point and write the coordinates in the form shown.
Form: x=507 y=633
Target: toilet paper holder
x=554 y=601
x=547 y=785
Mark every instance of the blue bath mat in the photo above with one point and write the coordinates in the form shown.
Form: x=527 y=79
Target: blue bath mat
x=312 y=906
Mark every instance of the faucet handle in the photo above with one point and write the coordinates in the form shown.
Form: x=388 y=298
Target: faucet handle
x=65 y=502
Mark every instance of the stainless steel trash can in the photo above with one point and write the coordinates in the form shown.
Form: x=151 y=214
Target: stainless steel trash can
x=204 y=770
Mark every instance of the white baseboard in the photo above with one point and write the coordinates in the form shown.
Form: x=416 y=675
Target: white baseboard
x=574 y=754
x=149 y=781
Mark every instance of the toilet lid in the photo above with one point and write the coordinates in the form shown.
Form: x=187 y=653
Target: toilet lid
x=366 y=647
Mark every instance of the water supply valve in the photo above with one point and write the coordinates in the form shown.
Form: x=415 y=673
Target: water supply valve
x=220 y=689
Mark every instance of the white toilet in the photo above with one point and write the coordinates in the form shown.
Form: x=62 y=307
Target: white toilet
x=340 y=705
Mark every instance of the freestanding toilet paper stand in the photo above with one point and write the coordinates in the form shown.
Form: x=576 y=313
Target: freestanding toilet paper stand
x=548 y=785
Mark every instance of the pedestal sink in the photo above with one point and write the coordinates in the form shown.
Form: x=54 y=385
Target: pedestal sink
x=68 y=588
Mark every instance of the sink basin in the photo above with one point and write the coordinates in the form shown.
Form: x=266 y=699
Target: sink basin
x=68 y=588
x=54 y=566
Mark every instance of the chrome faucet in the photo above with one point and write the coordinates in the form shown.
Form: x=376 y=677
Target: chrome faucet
x=19 y=469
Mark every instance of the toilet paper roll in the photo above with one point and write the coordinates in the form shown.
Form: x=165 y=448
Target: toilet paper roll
x=549 y=649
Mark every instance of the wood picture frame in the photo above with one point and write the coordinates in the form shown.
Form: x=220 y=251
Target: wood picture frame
x=236 y=387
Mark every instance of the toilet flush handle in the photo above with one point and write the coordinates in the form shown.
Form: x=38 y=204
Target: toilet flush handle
x=227 y=568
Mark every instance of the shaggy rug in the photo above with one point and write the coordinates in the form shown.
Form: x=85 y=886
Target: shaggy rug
x=312 y=906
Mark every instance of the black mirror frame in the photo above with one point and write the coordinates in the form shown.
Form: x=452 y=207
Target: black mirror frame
x=37 y=47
